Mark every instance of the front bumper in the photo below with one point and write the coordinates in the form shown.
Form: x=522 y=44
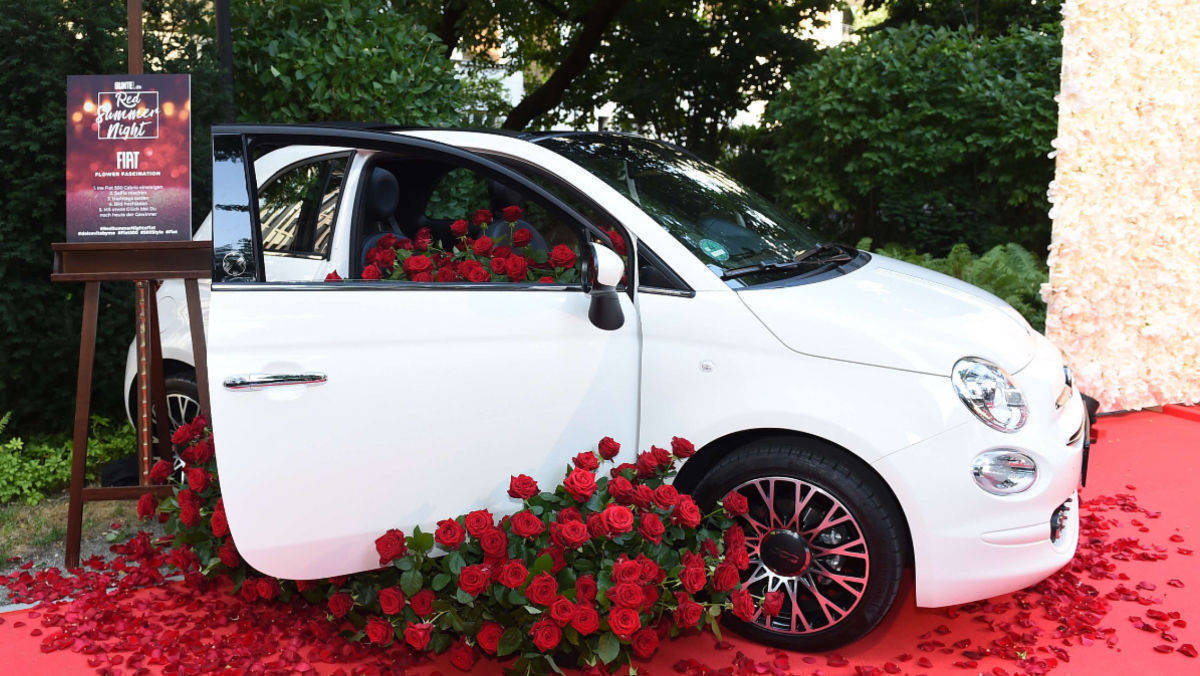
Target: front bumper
x=969 y=544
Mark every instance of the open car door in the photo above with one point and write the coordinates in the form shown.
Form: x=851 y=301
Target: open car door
x=343 y=409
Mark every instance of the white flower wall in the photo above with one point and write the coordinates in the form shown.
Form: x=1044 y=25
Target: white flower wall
x=1124 y=289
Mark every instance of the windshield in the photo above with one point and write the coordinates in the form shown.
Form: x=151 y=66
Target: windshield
x=723 y=223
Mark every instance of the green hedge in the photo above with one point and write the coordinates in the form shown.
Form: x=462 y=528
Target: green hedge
x=29 y=470
x=923 y=136
x=1007 y=270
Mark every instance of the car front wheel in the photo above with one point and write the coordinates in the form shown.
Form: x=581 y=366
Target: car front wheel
x=822 y=530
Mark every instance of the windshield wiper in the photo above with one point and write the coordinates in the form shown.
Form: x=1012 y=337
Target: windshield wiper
x=806 y=257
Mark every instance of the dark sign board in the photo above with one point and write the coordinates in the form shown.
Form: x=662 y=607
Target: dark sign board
x=129 y=159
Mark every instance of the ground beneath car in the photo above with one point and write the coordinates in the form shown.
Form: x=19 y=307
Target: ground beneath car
x=1123 y=605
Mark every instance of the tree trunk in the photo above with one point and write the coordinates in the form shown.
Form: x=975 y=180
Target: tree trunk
x=447 y=27
x=550 y=93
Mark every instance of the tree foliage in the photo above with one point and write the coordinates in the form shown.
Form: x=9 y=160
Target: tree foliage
x=992 y=17
x=312 y=61
x=925 y=137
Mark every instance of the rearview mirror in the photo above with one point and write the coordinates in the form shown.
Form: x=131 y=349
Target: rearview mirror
x=608 y=269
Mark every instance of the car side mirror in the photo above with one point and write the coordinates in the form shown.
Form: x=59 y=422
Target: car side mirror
x=608 y=268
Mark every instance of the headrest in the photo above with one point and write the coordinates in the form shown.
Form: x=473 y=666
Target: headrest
x=500 y=196
x=383 y=195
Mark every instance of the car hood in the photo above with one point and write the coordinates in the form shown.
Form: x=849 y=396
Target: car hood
x=896 y=315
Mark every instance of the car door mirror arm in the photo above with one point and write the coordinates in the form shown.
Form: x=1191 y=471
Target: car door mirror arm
x=605 y=309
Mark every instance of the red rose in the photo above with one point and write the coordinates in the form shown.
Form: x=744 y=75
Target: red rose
x=546 y=635
x=494 y=543
x=189 y=508
x=587 y=461
x=687 y=611
x=609 y=448
x=643 y=496
x=512 y=214
x=482 y=216
x=372 y=271
x=585 y=619
x=229 y=554
x=645 y=643
x=682 y=448
x=340 y=604
x=463 y=656
x=585 y=589
x=449 y=534
x=197 y=478
x=379 y=630
x=146 y=506
x=743 y=605
x=482 y=246
x=478 y=521
x=423 y=277
x=220 y=524
x=542 y=589
x=267 y=587
x=581 y=484
x=651 y=527
x=772 y=603
x=249 y=591
x=526 y=525
x=666 y=496
x=424 y=239
x=568 y=514
x=618 y=518
x=736 y=504
x=447 y=274
x=391 y=600
x=333 y=277
x=647 y=465
x=546 y=280
x=621 y=490
x=651 y=572
x=686 y=513
x=488 y=637
x=618 y=241
x=626 y=594
x=709 y=548
x=390 y=546
x=183 y=434
x=562 y=610
x=513 y=574
x=623 y=622
x=693 y=576
x=422 y=602
x=725 y=577
x=497 y=265
x=626 y=570
x=502 y=251
x=417 y=264
x=199 y=453
x=458 y=228
x=515 y=267
x=417 y=635
x=561 y=256
x=404 y=243
x=662 y=456
x=475 y=579
x=388 y=241
x=305 y=585
x=573 y=534
x=596 y=525
x=385 y=257
x=522 y=487
x=522 y=237
x=160 y=471
x=477 y=274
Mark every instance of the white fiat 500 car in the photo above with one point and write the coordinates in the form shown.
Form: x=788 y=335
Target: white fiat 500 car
x=876 y=415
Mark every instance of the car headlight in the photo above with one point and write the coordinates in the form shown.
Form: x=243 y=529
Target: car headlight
x=990 y=393
x=1004 y=471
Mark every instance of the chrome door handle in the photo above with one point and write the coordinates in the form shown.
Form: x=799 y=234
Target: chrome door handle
x=259 y=380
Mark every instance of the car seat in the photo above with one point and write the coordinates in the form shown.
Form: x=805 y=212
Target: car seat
x=380 y=201
x=500 y=196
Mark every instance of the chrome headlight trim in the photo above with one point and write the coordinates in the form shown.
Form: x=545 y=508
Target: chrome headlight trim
x=990 y=393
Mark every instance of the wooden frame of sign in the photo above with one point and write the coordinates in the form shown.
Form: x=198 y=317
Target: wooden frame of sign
x=141 y=263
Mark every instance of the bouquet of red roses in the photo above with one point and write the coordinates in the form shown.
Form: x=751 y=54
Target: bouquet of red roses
x=593 y=573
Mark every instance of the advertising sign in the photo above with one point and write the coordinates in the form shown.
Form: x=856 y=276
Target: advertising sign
x=129 y=159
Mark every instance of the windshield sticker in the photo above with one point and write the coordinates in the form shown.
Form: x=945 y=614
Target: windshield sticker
x=714 y=250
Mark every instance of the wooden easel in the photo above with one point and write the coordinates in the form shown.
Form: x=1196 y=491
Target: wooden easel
x=141 y=263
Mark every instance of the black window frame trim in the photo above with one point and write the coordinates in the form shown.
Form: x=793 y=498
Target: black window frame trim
x=312 y=255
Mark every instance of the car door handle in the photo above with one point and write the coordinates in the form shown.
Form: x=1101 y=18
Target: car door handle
x=260 y=380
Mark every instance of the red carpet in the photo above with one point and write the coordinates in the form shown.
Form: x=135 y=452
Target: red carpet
x=1123 y=606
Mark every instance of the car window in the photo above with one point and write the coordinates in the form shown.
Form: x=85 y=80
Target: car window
x=297 y=208
x=453 y=224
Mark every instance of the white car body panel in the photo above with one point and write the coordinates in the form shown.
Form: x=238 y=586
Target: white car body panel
x=862 y=361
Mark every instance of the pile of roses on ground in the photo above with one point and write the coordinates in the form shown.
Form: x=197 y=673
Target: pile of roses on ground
x=508 y=258
x=593 y=573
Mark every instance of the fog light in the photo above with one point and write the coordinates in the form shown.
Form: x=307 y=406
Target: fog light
x=1004 y=472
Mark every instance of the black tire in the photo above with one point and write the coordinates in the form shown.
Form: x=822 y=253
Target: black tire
x=874 y=569
x=183 y=398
